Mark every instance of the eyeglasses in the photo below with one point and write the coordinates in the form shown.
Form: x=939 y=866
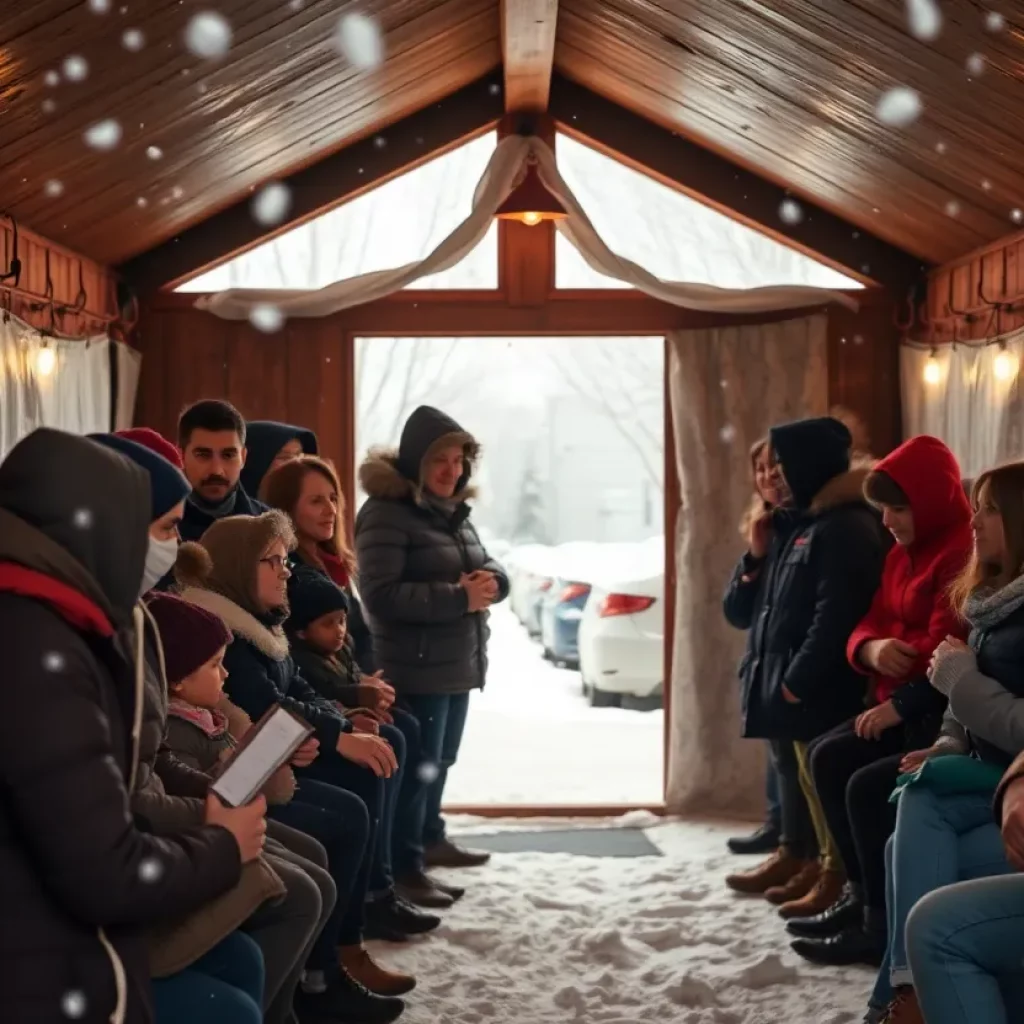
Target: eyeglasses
x=276 y=562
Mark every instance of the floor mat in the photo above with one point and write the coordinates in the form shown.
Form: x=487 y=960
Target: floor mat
x=582 y=842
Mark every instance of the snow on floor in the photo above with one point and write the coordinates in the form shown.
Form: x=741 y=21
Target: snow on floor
x=554 y=938
x=531 y=737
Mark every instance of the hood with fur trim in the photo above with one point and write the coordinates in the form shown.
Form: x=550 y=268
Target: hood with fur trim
x=270 y=640
x=844 y=489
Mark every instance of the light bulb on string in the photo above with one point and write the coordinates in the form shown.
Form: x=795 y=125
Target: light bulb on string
x=932 y=370
x=46 y=361
x=1005 y=366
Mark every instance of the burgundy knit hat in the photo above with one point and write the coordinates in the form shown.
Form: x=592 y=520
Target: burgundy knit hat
x=155 y=442
x=191 y=636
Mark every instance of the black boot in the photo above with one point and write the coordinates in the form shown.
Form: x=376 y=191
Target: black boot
x=847 y=911
x=420 y=889
x=394 y=920
x=853 y=945
x=348 y=1002
x=447 y=854
x=764 y=840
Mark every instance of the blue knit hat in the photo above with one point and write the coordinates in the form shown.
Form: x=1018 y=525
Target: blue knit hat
x=310 y=595
x=167 y=484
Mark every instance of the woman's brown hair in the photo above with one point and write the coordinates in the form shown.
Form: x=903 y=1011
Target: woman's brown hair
x=757 y=505
x=1004 y=487
x=282 y=488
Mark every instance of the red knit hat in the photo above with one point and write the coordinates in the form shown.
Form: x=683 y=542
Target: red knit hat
x=191 y=636
x=155 y=442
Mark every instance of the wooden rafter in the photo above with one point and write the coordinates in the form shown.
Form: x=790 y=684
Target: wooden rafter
x=528 y=52
x=321 y=186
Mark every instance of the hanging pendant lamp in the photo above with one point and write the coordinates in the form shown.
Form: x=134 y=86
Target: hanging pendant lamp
x=530 y=202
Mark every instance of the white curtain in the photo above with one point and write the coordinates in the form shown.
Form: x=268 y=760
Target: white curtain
x=967 y=395
x=61 y=382
x=505 y=167
x=727 y=387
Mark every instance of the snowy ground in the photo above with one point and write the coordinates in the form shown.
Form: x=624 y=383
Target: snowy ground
x=532 y=738
x=554 y=938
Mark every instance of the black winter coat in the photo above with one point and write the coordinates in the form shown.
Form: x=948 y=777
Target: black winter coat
x=800 y=605
x=411 y=553
x=76 y=887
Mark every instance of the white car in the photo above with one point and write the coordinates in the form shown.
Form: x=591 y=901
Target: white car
x=622 y=637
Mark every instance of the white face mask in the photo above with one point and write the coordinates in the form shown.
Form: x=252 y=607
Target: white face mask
x=159 y=559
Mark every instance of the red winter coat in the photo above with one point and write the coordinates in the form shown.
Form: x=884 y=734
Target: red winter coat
x=912 y=604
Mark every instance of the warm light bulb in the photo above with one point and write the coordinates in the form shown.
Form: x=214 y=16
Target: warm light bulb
x=1005 y=366
x=46 y=361
x=531 y=217
x=932 y=371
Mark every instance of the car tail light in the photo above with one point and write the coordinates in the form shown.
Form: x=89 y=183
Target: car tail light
x=624 y=604
x=544 y=585
x=572 y=591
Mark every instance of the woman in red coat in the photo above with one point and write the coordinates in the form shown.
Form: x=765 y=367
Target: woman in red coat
x=919 y=492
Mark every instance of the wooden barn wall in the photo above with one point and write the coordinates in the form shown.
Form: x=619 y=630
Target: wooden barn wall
x=976 y=297
x=77 y=282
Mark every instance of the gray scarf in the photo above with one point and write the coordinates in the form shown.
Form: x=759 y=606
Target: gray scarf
x=215 y=510
x=987 y=608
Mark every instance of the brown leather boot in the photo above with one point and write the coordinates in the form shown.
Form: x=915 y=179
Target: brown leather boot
x=823 y=894
x=904 y=1009
x=799 y=885
x=379 y=980
x=777 y=870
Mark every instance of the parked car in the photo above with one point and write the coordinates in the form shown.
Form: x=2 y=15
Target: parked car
x=528 y=582
x=561 y=609
x=622 y=634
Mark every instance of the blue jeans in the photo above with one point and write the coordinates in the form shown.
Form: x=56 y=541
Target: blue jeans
x=938 y=840
x=339 y=821
x=442 y=721
x=406 y=839
x=225 y=986
x=966 y=947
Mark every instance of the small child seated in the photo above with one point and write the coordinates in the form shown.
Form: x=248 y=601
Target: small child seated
x=317 y=630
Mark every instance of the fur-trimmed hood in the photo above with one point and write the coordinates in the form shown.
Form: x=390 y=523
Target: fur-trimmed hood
x=270 y=640
x=844 y=489
x=380 y=477
x=812 y=454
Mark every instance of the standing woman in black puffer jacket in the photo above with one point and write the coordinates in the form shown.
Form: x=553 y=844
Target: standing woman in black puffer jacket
x=426 y=583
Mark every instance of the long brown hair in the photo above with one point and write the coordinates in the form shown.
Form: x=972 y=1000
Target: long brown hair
x=1005 y=489
x=282 y=488
x=757 y=503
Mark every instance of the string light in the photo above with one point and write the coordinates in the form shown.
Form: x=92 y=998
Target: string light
x=1005 y=365
x=932 y=370
x=46 y=361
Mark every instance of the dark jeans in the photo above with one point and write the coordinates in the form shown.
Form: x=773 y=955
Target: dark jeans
x=797 y=832
x=224 y=986
x=771 y=793
x=379 y=795
x=339 y=821
x=407 y=839
x=442 y=721
x=854 y=778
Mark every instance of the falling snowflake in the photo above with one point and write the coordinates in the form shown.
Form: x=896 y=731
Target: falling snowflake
x=790 y=211
x=82 y=518
x=154 y=152
x=142 y=202
x=359 y=40
x=103 y=135
x=898 y=107
x=53 y=661
x=49 y=106
x=380 y=142
x=53 y=188
x=986 y=185
x=428 y=772
x=271 y=204
x=208 y=35
x=133 y=39
x=73 y=1004
x=940 y=148
x=952 y=208
x=976 y=65
x=75 y=69
x=727 y=434
x=858 y=339
x=177 y=192
x=994 y=21
x=295 y=5
x=99 y=6
x=494 y=88
x=865 y=268
x=925 y=19
x=723 y=384
x=266 y=318
x=150 y=870
x=1017 y=216
x=52 y=79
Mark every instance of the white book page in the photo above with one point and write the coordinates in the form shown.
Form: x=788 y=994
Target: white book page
x=272 y=745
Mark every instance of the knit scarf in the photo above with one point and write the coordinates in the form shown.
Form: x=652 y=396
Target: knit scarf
x=987 y=608
x=215 y=510
x=213 y=723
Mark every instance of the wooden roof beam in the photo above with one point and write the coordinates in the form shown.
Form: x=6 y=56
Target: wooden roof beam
x=730 y=188
x=322 y=186
x=528 y=52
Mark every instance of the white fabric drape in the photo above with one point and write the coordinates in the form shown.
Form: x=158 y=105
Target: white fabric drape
x=509 y=158
x=727 y=387
x=967 y=395
x=68 y=388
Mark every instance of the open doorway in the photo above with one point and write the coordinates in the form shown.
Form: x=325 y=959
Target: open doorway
x=571 y=501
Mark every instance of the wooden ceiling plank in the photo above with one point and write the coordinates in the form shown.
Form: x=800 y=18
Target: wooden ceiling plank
x=725 y=186
x=528 y=29
x=322 y=186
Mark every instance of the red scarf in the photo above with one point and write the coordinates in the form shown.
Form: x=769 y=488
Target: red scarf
x=336 y=569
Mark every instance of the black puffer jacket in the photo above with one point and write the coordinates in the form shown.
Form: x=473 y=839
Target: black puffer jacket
x=78 y=880
x=411 y=553
x=803 y=600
